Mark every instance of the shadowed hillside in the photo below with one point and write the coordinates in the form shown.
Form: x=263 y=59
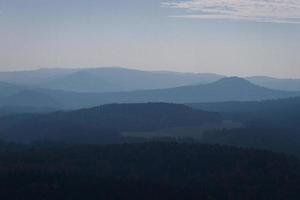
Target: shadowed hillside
x=272 y=124
x=101 y=124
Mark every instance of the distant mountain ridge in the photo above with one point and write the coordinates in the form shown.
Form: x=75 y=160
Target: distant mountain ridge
x=116 y=79
x=106 y=79
x=81 y=81
x=27 y=98
x=34 y=77
x=8 y=89
x=226 y=89
x=276 y=83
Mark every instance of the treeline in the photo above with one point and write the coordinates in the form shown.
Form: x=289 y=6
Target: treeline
x=258 y=134
x=146 y=171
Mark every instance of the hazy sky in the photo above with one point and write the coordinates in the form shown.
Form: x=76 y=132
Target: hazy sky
x=233 y=37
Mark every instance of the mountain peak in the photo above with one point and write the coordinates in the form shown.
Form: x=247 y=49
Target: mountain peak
x=233 y=81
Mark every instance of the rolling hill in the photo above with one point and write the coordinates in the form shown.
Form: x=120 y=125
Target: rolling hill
x=101 y=124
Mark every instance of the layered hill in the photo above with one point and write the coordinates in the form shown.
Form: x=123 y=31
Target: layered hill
x=226 y=89
x=113 y=79
x=106 y=79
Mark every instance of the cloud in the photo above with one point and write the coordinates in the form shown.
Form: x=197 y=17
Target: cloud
x=276 y=11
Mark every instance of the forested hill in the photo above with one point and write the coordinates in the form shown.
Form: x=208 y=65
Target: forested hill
x=282 y=112
x=101 y=124
x=286 y=104
x=272 y=124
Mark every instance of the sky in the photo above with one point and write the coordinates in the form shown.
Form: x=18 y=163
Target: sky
x=230 y=37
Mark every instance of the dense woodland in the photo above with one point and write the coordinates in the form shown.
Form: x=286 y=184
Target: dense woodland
x=145 y=171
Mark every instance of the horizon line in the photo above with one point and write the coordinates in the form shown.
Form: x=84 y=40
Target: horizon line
x=144 y=70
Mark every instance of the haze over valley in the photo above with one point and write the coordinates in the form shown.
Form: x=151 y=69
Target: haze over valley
x=150 y=100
